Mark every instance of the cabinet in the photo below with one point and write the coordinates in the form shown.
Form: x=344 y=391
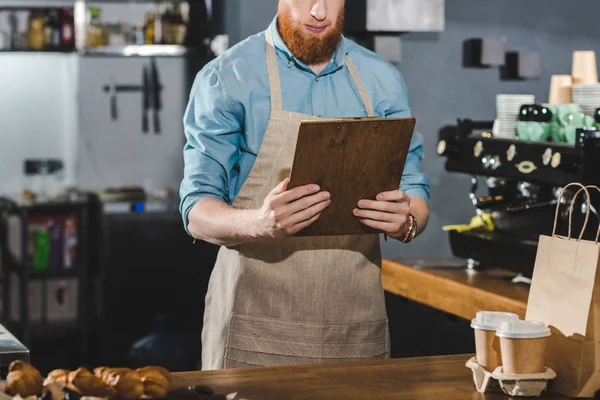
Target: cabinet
x=48 y=258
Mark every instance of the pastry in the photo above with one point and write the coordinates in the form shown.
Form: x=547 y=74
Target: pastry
x=157 y=381
x=127 y=382
x=87 y=384
x=60 y=376
x=23 y=380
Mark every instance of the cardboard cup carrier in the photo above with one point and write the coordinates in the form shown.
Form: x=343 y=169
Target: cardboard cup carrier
x=510 y=355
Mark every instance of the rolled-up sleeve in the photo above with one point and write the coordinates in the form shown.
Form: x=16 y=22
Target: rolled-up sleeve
x=414 y=182
x=212 y=122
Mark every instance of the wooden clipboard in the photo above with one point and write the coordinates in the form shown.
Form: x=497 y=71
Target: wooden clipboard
x=352 y=159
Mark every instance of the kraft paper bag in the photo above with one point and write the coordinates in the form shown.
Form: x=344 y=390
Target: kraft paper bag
x=565 y=294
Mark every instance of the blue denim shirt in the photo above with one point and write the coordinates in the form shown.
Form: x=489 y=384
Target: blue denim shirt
x=229 y=108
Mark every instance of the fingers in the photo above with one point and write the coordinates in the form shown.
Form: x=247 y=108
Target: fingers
x=382 y=226
x=378 y=215
x=385 y=206
x=306 y=214
x=394 y=195
x=295 y=193
x=305 y=203
x=302 y=225
x=388 y=213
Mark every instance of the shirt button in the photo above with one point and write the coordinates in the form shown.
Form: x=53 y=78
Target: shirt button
x=290 y=62
x=317 y=79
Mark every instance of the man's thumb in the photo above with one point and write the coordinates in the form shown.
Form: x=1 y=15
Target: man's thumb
x=282 y=186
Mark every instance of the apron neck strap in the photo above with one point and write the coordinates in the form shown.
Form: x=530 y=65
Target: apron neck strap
x=361 y=88
x=275 y=82
x=273 y=71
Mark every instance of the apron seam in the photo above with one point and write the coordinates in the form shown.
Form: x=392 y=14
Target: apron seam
x=303 y=356
x=244 y=362
x=370 y=322
x=306 y=342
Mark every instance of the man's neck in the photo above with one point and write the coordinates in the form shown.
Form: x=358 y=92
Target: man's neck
x=318 y=68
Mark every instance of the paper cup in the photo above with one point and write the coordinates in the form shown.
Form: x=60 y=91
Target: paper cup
x=584 y=68
x=560 y=89
x=523 y=346
x=487 y=344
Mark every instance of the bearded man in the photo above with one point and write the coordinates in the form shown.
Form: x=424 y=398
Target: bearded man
x=275 y=298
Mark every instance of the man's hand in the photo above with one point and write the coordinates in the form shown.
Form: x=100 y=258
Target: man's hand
x=388 y=213
x=286 y=212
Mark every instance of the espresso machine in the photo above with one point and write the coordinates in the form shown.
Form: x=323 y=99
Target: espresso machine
x=522 y=182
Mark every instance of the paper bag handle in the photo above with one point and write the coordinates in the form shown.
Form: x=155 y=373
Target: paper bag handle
x=587 y=214
x=577 y=194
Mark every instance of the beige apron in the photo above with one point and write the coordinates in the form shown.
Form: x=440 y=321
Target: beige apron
x=293 y=300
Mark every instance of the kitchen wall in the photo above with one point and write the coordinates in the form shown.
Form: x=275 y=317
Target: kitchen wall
x=36 y=123
x=52 y=105
x=441 y=90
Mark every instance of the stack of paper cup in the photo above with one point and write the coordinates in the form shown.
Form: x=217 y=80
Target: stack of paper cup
x=507 y=112
x=487 y=344
x=523 y=346
x=587 y=97
x=583 y=69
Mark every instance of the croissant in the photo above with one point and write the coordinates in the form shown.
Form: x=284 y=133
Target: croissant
x=23 y=380
x=87 y=384
x=127 y=382
x=59 y=376
x=157 y=381
x=152 y=370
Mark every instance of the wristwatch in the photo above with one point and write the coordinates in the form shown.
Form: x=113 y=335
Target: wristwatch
x=411 y=229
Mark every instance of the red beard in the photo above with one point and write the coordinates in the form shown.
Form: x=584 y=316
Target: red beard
x=312 y=50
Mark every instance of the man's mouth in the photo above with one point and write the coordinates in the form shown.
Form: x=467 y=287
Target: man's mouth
x=316 y=28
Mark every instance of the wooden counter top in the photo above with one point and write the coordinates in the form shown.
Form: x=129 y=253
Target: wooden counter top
x=437 y=378
x=460 y=292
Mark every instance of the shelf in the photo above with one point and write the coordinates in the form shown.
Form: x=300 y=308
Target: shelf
x=26 y=51
x=35 y=275
x=54 y=206
x=59 y=3
x=130 y=50
x=160 y=50
x=139 y=207
x=23 y=4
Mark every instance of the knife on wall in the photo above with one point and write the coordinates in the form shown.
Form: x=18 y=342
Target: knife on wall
x=156 y=89
x=145 y=98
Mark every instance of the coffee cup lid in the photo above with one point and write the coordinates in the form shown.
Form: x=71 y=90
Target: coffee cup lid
x=518 y=329
x=490 y=320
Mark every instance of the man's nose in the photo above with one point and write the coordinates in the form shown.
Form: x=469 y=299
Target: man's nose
x=319 y=10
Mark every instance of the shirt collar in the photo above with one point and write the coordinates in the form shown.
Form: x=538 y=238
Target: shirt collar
x=339 y=56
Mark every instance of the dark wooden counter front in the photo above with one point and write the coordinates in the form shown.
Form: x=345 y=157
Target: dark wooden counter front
x=460 y=292
x=439 y=378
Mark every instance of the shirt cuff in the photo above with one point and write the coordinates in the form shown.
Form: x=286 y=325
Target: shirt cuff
x=190 y=202
x=418 y=192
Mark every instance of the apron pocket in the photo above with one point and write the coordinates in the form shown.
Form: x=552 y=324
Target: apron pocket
x=261 y=341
